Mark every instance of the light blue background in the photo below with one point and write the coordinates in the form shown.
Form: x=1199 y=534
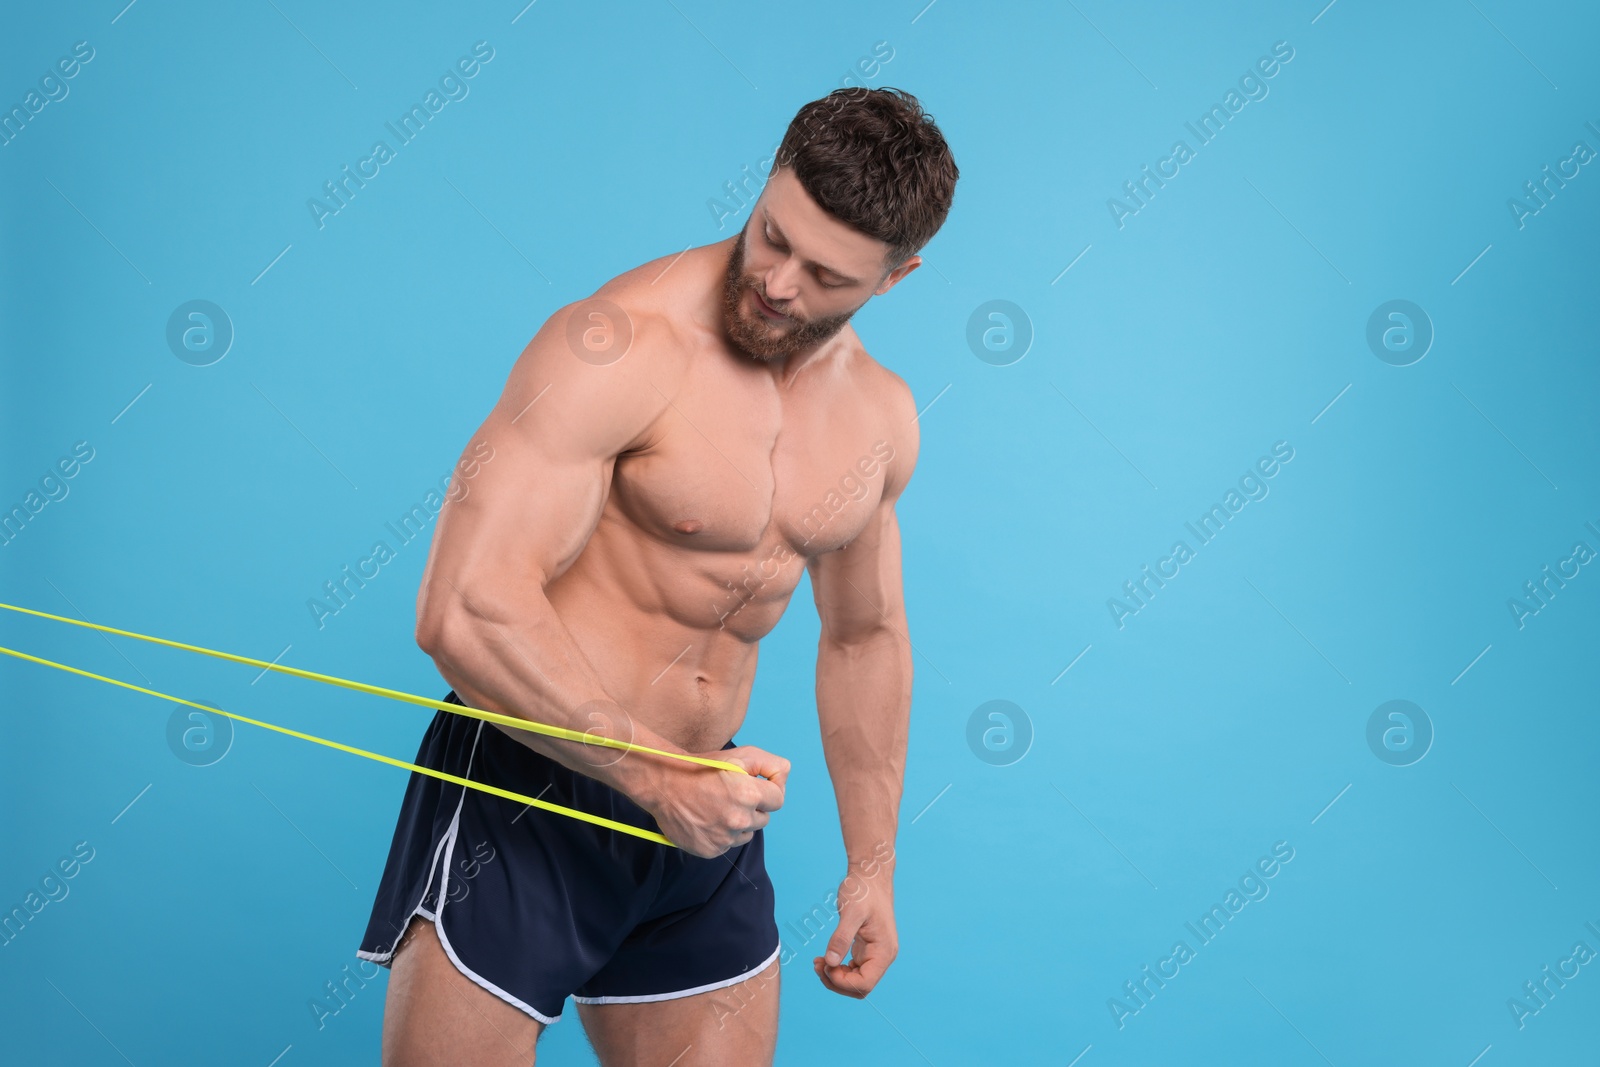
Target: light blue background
x=1223 y=317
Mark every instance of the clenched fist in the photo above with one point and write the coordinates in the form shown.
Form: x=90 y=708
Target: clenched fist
x=705 y=811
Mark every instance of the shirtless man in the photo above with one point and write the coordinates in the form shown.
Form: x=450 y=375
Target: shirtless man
x=636 y=511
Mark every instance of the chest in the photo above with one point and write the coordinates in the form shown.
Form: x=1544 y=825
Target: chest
x=739 y=466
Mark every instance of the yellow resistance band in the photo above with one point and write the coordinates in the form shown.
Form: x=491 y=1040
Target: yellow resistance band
x=514 y=721
x=598 y=820
x=477 y=713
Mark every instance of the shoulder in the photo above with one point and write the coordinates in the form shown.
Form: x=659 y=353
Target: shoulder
x=600 y=367
x=649 y=308
x=640 y=323
x=895 y=414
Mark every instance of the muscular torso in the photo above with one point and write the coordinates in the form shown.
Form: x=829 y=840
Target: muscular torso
x=749 y=472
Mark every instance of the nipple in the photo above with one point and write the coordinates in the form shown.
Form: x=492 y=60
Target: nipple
x=689 y=526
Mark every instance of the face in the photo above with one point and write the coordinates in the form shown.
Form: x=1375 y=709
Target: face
x=796 y=274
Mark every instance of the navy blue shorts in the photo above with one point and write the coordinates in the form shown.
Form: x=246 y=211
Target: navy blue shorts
x=535 y=906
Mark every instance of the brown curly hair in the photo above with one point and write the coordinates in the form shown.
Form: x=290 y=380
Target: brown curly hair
x=873 y=159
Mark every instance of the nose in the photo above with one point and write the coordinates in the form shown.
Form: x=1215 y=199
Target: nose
x=782 y=283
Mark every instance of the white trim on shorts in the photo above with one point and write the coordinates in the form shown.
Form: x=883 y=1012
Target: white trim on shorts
x=386 y=958
x=447 y=846
x=746 y=976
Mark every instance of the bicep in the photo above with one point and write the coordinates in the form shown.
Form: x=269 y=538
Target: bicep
x=858 y=587
x=540 y=469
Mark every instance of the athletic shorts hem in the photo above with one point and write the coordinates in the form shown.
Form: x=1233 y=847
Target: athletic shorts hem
x=708 y=987
x=524 y=1006
x=386 y=959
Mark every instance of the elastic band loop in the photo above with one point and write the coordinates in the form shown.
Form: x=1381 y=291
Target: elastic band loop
x=515 y=721
x=621 y=827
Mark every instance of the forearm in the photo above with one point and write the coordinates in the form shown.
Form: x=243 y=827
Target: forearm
x=506 y=650
x=864 y=705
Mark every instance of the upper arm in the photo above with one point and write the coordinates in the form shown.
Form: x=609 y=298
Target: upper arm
x=858 y=587
x=534 y=478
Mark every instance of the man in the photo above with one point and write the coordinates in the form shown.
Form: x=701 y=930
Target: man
x=665 y=459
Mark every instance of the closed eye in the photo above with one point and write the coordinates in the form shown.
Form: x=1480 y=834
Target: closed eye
x=781 y=247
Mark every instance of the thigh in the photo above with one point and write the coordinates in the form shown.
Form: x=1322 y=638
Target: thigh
x=736 y=1026
x=435 y=1015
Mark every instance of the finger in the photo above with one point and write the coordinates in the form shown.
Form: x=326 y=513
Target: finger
x=780 y=776
x=769 y=797
x=840 y=979
x=759 y=762
x=843 y=936
x=850 y=983
x=870 y=967
x=861 y=974
x=874 y=952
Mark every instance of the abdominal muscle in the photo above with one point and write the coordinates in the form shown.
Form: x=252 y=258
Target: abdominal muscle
x=646 y=617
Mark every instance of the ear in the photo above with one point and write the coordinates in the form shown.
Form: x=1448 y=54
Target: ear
x=893 y=277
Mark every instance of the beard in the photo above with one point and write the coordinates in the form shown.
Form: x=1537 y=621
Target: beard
x=753 y=334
